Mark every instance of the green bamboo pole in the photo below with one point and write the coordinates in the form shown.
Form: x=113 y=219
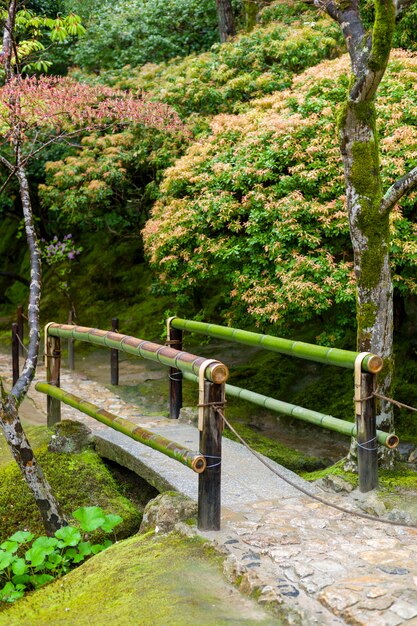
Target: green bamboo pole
x=193 y=460
x=310 y=352
x=389 y=440
x=216 y=372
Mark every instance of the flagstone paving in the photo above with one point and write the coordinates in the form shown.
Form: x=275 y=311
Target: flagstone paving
x=316 y=564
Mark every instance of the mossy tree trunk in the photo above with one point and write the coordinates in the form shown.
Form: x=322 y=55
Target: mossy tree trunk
x=368 y=208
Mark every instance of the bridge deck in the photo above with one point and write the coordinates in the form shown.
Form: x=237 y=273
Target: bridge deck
x=326 y=566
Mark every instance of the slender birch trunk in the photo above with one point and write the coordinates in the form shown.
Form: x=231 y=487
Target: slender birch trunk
x=9 y=403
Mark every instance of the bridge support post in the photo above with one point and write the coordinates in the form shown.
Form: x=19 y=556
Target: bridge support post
x=209 y=481
x=367 y=436
x=175 y=376
x=71 y=363
x=114 y=355
x=15 y=352
x=53 y=376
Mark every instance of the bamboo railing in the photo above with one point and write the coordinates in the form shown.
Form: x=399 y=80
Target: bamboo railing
x=307 y=351
x=365 y=366
x=343 y=427
x=193 y=460
x=212 y=376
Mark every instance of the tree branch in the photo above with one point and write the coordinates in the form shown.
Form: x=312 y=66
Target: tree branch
x=6 y=163
x=397 y=190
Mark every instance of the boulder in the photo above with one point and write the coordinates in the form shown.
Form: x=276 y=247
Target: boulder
x=167 y=510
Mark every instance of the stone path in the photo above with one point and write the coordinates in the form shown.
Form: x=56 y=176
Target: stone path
x=318 y=565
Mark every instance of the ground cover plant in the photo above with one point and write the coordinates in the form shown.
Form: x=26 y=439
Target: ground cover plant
x=28 y=563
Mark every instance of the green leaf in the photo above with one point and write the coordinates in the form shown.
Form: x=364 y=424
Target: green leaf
x=10 y=546
x=21 y=580
x=38 y=580
x=22 y=536
x=68 y=535
x=19 y=567
x=48 y=544
x=84 y=548
x=5 y=559
x=90 y=517
x=54 y=559
x=11 y=593
x=36 y=556
x=111 y=521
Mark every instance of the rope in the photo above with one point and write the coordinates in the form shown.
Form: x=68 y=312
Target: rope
x=365 y=443
x=304 y=491
x=20 y=342
x=401 y=405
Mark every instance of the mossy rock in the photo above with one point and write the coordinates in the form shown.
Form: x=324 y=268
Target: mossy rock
x=144 y=580
x=76 y=480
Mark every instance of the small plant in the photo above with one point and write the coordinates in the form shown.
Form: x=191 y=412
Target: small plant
x=27 y=563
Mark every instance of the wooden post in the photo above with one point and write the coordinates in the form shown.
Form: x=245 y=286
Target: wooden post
x=175 y=377
x=20 y=328
x=367 y=436
x=71 y=364
x=53 y=369
x=209 y=482
x=114 y=356
x=15 y=352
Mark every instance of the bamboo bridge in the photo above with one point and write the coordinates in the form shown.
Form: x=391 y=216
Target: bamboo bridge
x=319 y=564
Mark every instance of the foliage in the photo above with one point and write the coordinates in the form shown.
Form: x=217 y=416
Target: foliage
x=139 y=31
x=59 y=255
x=63 y=106
x=34 y=33
x=249 y=66
x=46 y=558
x=111 y=181
x=258 y=207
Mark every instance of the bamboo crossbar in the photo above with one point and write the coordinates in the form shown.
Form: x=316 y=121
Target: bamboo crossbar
x=216 y=372
x=310 y=352
x=193 y=460
x=389 y=440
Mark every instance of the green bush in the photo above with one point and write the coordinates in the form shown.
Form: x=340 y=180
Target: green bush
x=231 y=74
x=139 y=31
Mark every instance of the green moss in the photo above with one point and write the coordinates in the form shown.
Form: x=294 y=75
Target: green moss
x=143 y=580
x=382 y=34
x=365 y=169
x=367 y=315
x=333 y=470
x=278 y=452
x=77 y=480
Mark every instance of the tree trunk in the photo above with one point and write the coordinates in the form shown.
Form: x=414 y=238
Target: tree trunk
x=226 y=19
x=22 y=452
x=369 y=229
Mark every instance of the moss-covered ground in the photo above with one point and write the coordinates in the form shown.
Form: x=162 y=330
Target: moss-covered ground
x=143 y=580
x=397 y=488
x=76 y=479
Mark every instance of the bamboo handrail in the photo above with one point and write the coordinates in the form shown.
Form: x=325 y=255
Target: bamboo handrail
x=193 y=460
x=310 y=352
x=389 y=440
x=216 y=372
